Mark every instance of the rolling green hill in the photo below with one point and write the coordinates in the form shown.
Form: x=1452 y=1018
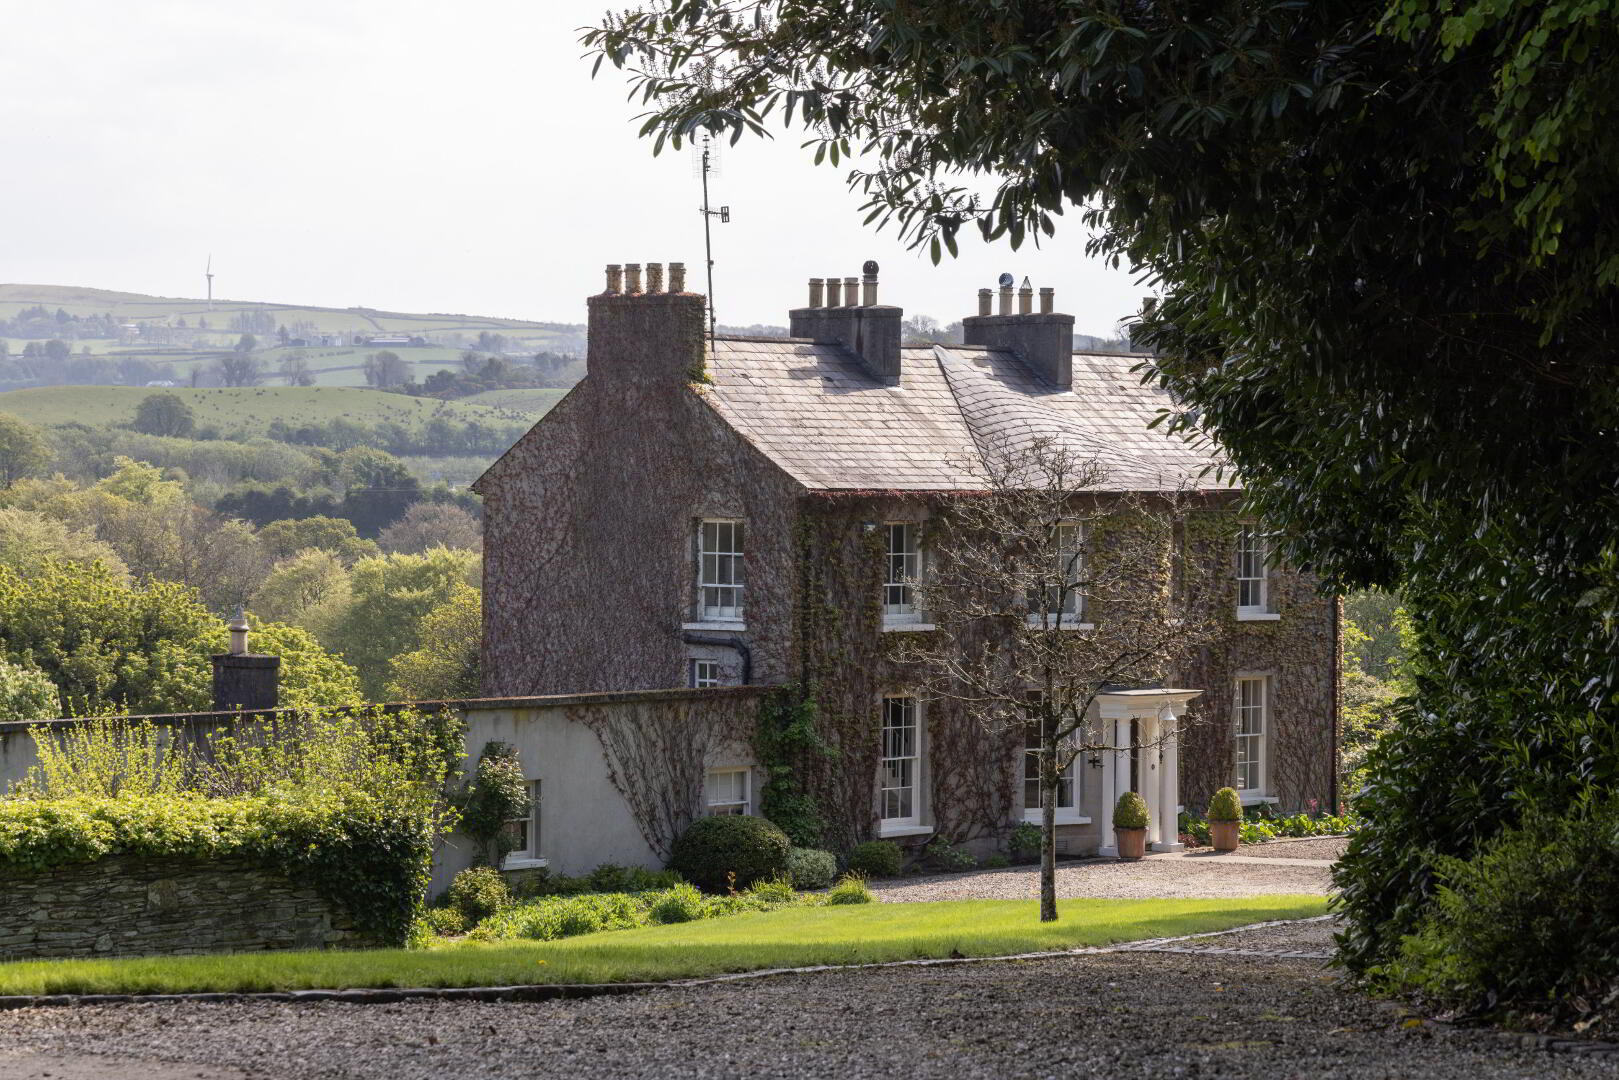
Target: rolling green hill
x=534 y=403
x=248 y=410
x=137 y=308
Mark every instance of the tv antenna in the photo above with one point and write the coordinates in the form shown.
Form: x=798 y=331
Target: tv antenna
x=705 y=160
x=209 y=274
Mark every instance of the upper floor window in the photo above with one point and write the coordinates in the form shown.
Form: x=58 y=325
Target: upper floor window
x=1058 y=594
x=719 y=570
x=705 y=673
x=1252 y=720
x=728 y=791
x=899 y=767
x=1253 y=585
x=904 y=569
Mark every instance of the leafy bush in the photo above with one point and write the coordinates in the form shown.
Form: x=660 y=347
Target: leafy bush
x=948 y=857
x=1195 y=829
x=774 y=891
x=446 y=921
x=497 y=793
x=809 y=868
x=995 y=862
x=26 y=693
x=682 y=903
x=1528 y=925
x=1025 y=842
x=1225 y=806
x=877 y=858
x=478 y=892
x=714 y=848
x=850 y=889
x=1130 y=812
x=608 y=877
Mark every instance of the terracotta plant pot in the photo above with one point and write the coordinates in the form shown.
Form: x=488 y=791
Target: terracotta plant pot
x=1225 y=835
x=1132 y=842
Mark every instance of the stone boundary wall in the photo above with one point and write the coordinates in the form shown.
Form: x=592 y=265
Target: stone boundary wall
x=127 y=906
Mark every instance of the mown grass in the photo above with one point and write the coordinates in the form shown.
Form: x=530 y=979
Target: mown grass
x=789 y=937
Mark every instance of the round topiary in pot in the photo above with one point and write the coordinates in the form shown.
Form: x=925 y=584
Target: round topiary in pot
x=1130 y=825
x=1225 y=819
x=729 y=850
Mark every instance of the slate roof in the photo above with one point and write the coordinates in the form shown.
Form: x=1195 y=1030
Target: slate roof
x=815 y=411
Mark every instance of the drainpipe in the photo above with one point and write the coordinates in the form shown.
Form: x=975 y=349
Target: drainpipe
x=1337 y=683
x=727 y=641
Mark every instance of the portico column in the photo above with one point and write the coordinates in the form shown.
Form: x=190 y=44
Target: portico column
x=1110 y=792
x=1168 y=782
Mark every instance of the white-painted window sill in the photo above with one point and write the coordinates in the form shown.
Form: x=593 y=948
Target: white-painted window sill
x=888 y=832
x=1032 y=817
x=1258 y=616
x=1036 y=622
x=1256 y=800
x=901 y=626
x=523 y=863
x=735 y=626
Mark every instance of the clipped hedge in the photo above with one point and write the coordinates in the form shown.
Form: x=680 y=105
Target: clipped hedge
x=713 y=849
x=368 y=856
x=876 y=858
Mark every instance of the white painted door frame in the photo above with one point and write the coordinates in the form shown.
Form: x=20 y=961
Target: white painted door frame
x=1158 y=712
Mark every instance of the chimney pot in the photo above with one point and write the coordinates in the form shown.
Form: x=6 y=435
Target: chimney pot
x=868 y=280
x=1048 y=299
x=677 y=277
x=238 y=632
x=654 y=277
x=817 y=290
x=985 y=300
x=1025 y=299
x=1006 y=297
x=851 y=292
x=834 y=292
x=615 y=278
x=632 y=274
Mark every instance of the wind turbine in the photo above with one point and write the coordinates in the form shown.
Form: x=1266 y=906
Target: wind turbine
x=209 y=274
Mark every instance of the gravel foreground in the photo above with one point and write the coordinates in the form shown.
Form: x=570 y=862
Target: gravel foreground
x=1117 y=1015
x=1168 y=877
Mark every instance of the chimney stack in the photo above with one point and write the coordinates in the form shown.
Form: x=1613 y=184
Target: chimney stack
x=851 y=317
x=640 y=338
x=1043 y=341
x=243 y=680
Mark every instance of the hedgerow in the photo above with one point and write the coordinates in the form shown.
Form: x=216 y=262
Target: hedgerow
x=348 y=803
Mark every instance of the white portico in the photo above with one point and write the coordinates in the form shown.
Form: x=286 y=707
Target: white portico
x=1142 y=727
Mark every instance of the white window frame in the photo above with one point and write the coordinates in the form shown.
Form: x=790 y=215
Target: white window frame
x=720 y=570
x=899 y=767
x=1068 y=810
x=533 y=853
x=1069 y=557
x=705 y=673
x=1253 y=573
x=715 y=805
x=902 y=570
x=1251 y=719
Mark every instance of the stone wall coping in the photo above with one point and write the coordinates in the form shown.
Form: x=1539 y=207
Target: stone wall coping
x=554 y=701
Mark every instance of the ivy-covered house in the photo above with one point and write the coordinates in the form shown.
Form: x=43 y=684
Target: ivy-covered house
x=716 y=512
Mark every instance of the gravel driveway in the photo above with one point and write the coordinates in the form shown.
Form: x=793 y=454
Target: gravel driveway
x=1190 y=875
x=1118 y=1015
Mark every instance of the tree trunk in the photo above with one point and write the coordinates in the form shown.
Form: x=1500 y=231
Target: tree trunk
x=1048 y=820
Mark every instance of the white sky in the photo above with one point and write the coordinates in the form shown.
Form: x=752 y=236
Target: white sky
x=415 y=156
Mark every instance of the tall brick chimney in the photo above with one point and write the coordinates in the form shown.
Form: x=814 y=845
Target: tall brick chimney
x=1043 y=340
x=645 y=337
x=244 y=680
x=851 y=317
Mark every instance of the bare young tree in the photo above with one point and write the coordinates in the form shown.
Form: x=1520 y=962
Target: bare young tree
x=1049 y=588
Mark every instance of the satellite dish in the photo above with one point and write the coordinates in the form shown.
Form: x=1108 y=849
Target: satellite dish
x=1006 y=281
x=870 y=269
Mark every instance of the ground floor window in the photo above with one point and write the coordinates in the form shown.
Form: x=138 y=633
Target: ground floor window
x=705 y=673
x=1067 y=781
x=728 y=791
x=523 y=833
x=898 y=768
x=1253 y=719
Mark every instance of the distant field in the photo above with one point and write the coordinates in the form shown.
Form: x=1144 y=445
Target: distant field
x=248 y=409
x=531 y=402
x=136 y=307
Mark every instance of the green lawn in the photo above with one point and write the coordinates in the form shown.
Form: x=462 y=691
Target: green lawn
x=789 y=937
